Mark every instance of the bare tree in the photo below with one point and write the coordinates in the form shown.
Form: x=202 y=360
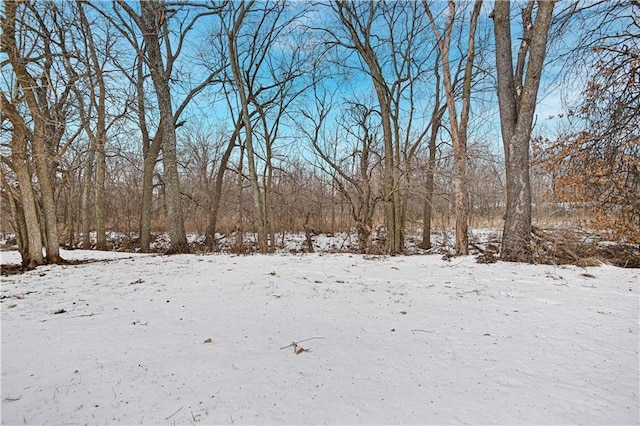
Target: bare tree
x=153 y=24
x=348 y=154
x=95 y=119
x=216 y=195
x=517 y=97
x=47 y=94
x=458 y=127
x=386 y=38
x=22 y=200
x=264 y=84
x=434 y=129
x=160 y=55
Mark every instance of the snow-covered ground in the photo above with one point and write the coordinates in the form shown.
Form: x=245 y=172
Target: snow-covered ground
x=149 y=339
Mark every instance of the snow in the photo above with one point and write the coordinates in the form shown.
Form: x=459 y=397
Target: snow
x=391 y=340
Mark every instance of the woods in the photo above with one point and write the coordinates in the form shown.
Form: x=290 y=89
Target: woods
x=381 y=118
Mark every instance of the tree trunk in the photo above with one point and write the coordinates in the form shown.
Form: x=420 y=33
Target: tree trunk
x=458 y=127
x=150 y=149
x=150 y=20
x=268 y=192
x=101 y=166
x=42 y=122
x=84 y=201
x=99 y=136
x=239 y=241
x=27 y=212
x=43 y=170
x=429 y=186
x=210 y=235
x=150 y=156
x=517 y=102
x=30 y=251
x=20 y=227
x=256 y=194
x=71 y=217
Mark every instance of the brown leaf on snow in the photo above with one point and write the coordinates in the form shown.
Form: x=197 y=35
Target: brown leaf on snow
x=298 y=349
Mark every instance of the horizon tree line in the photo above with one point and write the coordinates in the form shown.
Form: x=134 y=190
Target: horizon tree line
x=373 y=114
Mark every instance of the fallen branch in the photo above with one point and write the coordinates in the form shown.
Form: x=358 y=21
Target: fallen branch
x=174 y=413
x=85 y=315
x=300 y=341
x=297 y=349
x=560 y=247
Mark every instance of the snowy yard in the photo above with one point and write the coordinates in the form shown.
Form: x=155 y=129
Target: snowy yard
x=149 y=339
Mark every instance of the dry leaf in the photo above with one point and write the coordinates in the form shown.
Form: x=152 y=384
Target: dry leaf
x=298 y=349
x=208 y=340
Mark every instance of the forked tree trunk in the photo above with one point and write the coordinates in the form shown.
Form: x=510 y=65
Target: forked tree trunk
x=517 y=97
x=256 y=193
x=212 y=220
x=43 y=170
x=26 y=217
x=458 y=125
x=150 y=22
x=42 y=122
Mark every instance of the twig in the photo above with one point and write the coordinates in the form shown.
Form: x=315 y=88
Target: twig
x=424 y=331
x=176 y=412
x=300 y=341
